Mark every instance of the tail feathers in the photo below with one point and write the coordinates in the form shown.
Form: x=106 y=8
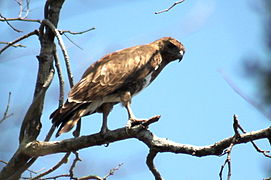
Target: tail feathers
x=68 y=115
x=67 y=126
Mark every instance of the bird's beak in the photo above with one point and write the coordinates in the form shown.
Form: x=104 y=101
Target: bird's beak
x=181 y=55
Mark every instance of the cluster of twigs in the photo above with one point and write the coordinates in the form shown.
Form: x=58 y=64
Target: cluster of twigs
x=236 y=137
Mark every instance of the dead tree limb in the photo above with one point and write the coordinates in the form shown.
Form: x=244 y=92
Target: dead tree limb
x=172 y=6
x=156 y=144
x=63 y=48
x=35 y=32
x=39 y=148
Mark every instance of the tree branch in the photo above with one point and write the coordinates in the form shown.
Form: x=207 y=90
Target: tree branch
x=63 y=48
x=229 y=149
x=14 y=45
x=60 y=163
x=156 y=144
x=76 y=159
x=19 y=39
x=7 y=21
x=60 y=78
x=75 y=33
x=172 y=6
x=6 y=115
x=39 y=148
x=19 y=19
x=152 y=168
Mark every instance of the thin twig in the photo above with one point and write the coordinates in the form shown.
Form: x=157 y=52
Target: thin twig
x=19 y=19
x=14 y=45
x=60 y=163
x=95 y=177
x=34 y=172
x=166 y=10
x=63 y=32
x=7 y=21
x=50 y=133
x=73 y=42
x=19 y=39
x=227 y=162
x=20 y=3
x=265 y=153
x=53 y=177
x=6 y=115
x=75 y=33
x=27 y=8
x=112 y=171
x=229 y=149
x=60 y=78
x=76 y=159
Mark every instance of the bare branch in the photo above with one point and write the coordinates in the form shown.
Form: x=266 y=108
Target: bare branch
x=75 y=33
x=32 y=109
x=76 y=159
x=39 y=148
x=27 y=9
x=90 y=177
x=265 y=153
x=229 y=149
x=20 y=3
x=63 y=32
x=156 y=144
x=34 y=172
x=60 y=78
x=6 y=115
x=19 y=39
x=60 y=163
x=112 y=171
x=61 y=90
x=74 y=43
x=63 y=48
x=7 y=21
x=2 y=18
x=166 y=10
x=152 y=168
x=14 y=45
x=55 y=177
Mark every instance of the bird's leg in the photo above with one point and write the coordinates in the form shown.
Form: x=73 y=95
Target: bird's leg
x=126 y=102
x=106 y=108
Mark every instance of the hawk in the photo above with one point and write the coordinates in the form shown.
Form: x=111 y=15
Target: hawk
x=116 y=78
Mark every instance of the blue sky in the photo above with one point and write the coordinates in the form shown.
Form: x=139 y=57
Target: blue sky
x=195 y=102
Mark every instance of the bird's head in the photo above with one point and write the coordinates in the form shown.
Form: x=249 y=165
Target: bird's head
x=170 y=48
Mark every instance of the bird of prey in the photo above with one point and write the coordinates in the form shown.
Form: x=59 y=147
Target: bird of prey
x=116 y=78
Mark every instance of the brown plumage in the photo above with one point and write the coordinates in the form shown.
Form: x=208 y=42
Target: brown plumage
x=116 y=78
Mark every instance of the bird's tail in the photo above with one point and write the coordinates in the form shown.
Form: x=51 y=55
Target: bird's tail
x=67 y=116
x=70 y=113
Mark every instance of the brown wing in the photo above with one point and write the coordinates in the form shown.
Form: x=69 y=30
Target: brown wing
x=111 y=72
